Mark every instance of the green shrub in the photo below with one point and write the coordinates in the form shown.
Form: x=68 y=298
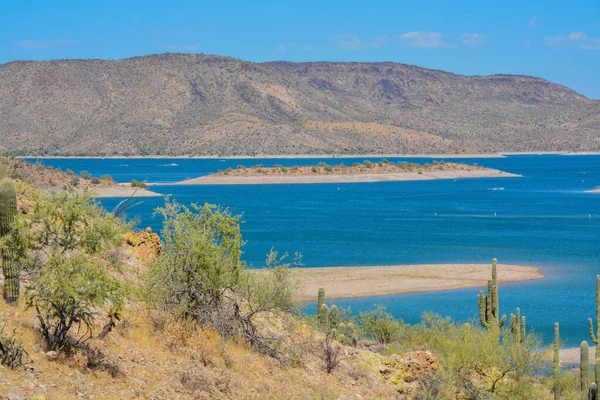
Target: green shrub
x=71 y=229
x=75 y=181
x=368 y=164
x=380 y=325
x=66 y=296
x=328 y=168
x=138 y=184
x=69 y=172
x=321 y=164
x=240 y=167
x=85 y=175
x=107 y=178
x=314 y=170
x=201 y=257
x=95 y=181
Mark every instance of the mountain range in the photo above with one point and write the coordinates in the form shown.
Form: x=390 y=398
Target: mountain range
x=196 y=104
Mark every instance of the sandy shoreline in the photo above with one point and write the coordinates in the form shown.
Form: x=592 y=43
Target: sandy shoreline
x=352 y=282
x=571 y=355
x=123 y=191
x=345 y=178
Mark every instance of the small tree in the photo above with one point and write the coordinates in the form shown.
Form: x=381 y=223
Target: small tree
x=201 y=259
x=67 y=294
x=66 y=235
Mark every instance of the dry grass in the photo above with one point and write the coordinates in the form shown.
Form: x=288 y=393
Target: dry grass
x=151 y=356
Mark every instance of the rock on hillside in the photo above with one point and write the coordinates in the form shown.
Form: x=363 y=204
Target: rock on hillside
x=197 y=104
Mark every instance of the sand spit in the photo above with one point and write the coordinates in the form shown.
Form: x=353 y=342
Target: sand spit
x=346 y=178
x=123 y=191
x=351 y=282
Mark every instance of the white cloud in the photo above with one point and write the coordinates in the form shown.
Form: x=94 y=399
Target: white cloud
x=473 y=39
x=574 y=40
x=43 y=44
x=281 y=48
x=423 y=39
x=533 y=21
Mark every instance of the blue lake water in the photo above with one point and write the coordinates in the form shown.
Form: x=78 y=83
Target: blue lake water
x=543 y=219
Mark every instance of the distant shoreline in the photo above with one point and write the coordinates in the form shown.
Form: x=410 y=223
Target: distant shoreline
x=300 y=156
x=357 y=282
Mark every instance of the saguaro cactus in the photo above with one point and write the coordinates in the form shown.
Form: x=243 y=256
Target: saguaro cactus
x=321 y=298
x=591 y=322
x=556 y=362
x=584 y=366
x=8 y=210
x=489 y=309
x=335 y=316
x=323 y=317
x=518 y=326
x=593 y=392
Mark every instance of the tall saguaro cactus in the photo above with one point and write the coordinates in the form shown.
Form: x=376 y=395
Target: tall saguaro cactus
x=489 y=309
x=584 y=367
x=556 y=362
x=10 y=269
x=518 y=326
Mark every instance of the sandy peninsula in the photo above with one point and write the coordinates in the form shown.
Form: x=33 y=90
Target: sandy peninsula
x=123 y=190
x=350 y=282
x=358 y=172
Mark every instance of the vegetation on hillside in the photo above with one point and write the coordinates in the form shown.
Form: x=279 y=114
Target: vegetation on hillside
x=90 y=318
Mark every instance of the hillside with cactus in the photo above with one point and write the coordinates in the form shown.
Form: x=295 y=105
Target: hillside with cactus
x=183 y=317
x=196 y=104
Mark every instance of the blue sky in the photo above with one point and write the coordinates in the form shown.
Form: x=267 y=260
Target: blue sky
x=556 y=40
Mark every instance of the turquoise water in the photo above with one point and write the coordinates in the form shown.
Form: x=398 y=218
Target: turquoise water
x=544 y=219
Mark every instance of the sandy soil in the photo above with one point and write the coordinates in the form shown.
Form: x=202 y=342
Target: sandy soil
x=123 y=191
x=349 y=282
x=335 y=178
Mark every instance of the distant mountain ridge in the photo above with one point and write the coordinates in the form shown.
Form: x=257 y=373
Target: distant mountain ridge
x=195 y=104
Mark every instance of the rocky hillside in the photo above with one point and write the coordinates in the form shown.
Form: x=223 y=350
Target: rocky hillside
x=192 y=104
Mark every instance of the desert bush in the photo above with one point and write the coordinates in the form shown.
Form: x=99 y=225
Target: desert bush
x=329 y=353
x=321 y=164
x=107 y=178
x=368 y=164
x=380 y=325
x=69 y=172
x=314 y=170
x=67 y=294
x=75 y=181
x=95 y=181
x=12 y=352
x=64 y=234
x=85 y=175
x=138 y=184
x=201 y=258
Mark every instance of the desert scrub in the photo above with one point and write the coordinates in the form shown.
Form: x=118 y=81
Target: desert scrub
x=139 y=184
x=12 y=353
x=71 y=282
x=85 y=175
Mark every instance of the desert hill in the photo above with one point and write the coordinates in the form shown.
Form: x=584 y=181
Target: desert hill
x=195 y=104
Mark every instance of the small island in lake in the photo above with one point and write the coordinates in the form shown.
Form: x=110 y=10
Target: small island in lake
x=366 y=171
